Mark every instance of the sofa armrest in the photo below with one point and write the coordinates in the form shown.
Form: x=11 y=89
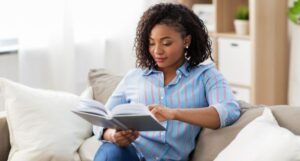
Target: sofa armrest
x=4 y=137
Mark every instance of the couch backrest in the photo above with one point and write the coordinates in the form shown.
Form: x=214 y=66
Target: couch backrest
x=103 y=83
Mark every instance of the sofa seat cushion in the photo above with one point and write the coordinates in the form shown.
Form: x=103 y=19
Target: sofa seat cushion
x=41 y=124
x=89 y=148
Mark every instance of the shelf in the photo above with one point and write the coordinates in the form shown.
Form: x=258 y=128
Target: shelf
x=265 y=55
x=239 y=85
x=190 y=3
x=229 y=35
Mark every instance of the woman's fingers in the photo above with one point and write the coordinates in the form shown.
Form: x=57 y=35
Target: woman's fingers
x=152 y=106
x=123 y=143
x=157 y=112
x=124 y=138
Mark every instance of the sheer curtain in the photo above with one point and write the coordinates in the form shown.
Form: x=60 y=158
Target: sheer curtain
x=60 y=40
x=46 y=45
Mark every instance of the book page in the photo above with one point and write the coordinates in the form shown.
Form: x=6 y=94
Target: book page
x=130 y=109
x=92 y=107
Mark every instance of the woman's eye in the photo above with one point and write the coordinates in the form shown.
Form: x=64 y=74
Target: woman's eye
x=167 y=43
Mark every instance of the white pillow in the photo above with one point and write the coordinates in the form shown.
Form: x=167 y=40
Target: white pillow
x=41 y=124
x=1 y=102
x=263 y=140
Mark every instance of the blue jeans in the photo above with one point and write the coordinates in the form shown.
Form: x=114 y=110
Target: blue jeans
x=112 y=152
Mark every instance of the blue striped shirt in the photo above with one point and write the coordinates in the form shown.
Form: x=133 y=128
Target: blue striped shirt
x=201 y=87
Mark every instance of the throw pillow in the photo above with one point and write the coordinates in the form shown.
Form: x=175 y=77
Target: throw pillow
x=263 y=140
x=1 y=101
x=103 y=83
x=211 y=142
x=41 y=124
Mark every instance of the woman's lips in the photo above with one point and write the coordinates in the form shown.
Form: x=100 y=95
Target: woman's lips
x=160 y=60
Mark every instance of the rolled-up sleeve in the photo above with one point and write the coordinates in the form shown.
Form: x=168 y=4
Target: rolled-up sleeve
x=220 y=96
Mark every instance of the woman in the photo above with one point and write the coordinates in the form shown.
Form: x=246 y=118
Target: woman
x=184 y=94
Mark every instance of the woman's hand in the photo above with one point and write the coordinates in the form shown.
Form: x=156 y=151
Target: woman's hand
x=122 y=138
x=162 y=113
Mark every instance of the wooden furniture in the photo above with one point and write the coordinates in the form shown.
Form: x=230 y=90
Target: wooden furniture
x=256 y=65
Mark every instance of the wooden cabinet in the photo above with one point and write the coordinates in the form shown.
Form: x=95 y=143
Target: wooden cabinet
x=256 y=65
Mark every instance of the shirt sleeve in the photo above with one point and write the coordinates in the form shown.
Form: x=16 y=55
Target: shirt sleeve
x=117 y=97
x=220 y=96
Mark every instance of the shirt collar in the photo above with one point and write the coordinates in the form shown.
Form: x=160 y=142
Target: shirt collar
x=149 y=71
x=182 y=69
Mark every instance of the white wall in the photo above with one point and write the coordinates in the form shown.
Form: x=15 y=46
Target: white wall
x=294 y=74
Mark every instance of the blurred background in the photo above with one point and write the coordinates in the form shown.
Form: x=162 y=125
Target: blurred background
x=52 y=44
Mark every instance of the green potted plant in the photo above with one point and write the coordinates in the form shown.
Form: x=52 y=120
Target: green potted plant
x=294 y=12
x=241 y=22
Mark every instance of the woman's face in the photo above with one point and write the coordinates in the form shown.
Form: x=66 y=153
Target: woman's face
x=166 y=46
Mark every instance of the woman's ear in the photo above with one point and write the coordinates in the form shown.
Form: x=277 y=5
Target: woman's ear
x=187 y=40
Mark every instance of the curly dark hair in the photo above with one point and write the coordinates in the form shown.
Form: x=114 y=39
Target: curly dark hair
x=185 y=21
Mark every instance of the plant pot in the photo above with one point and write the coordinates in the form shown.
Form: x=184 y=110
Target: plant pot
x=241 y=27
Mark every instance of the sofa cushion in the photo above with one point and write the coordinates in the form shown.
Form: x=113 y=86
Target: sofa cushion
x=89 y=148
x=103 y=83
x=1 y=101
x=41 y=124
x=262 y=140
x=287 y=117
x=212 y=142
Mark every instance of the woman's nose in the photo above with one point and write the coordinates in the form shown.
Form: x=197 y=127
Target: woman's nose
x=158 y=50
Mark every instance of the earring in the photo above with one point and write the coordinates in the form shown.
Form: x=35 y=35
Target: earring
x=186 y=53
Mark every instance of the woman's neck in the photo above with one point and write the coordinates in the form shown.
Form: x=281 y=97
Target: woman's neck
x=170 y=72
x=171 y=69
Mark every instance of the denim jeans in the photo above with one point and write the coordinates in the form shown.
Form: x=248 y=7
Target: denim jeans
x=112 y=152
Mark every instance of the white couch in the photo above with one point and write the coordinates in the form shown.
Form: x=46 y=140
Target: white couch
x=210 y=142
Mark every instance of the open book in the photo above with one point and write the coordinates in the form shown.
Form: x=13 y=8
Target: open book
x=123 y=117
